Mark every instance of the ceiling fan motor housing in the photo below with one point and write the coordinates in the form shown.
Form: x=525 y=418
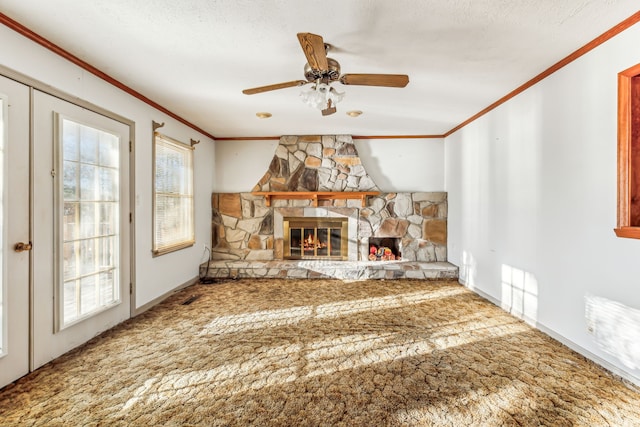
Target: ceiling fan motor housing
x=331 y=74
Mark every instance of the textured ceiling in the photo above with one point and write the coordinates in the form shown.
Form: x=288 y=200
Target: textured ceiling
x=194 y=57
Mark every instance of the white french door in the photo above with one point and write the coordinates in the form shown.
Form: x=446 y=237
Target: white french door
x=14 y=229
x=80 y=225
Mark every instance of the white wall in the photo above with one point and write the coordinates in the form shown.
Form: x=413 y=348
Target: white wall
x=532 y=203
x=154 y=276
x=394 y=164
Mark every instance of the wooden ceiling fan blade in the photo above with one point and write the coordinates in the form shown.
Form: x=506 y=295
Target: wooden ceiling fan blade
x=276 y=86
x=387 y=80
x=314 y=50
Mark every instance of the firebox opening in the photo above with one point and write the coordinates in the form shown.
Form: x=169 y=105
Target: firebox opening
x=384 y=248
x=316 y=238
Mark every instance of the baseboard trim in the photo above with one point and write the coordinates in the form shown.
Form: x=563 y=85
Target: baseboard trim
x=624 y=375
x=164 y=296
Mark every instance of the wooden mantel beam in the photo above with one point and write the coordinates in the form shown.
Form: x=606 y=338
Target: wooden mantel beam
x=315 y=195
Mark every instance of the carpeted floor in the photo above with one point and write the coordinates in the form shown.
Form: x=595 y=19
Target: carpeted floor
x=322 y=353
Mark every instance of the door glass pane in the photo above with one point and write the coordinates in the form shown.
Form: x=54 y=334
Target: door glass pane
x=3 y=312
x=90 y=220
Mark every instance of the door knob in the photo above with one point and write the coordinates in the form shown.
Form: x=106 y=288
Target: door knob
x=21 y=247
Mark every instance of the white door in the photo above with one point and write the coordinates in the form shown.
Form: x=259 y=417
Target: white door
x=81 y=227
x=14 y=228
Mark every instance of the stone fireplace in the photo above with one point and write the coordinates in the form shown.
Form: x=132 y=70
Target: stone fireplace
x=245 y=226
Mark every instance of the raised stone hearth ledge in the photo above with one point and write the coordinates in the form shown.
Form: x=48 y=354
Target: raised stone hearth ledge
x=344 y=270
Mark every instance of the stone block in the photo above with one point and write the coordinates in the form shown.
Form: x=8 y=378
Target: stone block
x=349 y=161
x=403 y=206
x=347 y=149
x=430 y=211
x=328 y=152
x=247 y=208
x=435 y=231
x=314 y=149
x=415 y=219
x=260 y=255
x=251 y=226
x=254 y=242
x=353 y=182
x=364 y=229
x=284 y=168
x=274 y=166
x=392 y=227
x=367 y=184
x=277 y=186
x=415 y=231
x=230 y=204
x=300 y=155
x=282 y=152
x=278 y=249
x=328 y=141
x=266 y=225
x=288 y=139
x=229 y=221
x=328 y=164
x=433 y=197
x=310 y=138
x=309 y=180
x=294 y=162
x=443 y=209
x=313 y=162
x=235 y=235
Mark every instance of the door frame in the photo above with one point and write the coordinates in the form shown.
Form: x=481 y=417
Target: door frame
x=33 y=85
x=15 y=322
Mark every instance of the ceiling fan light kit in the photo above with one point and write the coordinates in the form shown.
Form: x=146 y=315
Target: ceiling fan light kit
x=322 y=71
x=320 y=96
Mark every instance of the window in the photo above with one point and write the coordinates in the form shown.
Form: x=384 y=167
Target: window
x=89 y=221
x=173 y=227
x=629 y=153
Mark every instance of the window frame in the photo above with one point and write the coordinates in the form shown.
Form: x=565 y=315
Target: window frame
x=627 y=165
x=190 y=240
x=58 y=157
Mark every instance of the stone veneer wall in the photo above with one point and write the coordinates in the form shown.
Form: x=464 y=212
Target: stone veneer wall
x=316 y=163
x=243 y=226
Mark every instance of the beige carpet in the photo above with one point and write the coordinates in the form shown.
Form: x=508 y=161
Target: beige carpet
x=322 y=353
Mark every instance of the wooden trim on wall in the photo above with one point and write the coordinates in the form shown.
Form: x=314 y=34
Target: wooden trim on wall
x=396 y=136
x=24 y=31
x=247 y=138
x=268 y=138
x=628 y=86
x=632 y=20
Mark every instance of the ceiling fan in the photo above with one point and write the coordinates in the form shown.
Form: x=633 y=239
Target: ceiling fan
x=322 y=71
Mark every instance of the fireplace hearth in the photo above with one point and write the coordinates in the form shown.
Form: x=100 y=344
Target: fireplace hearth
x=315 y=238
